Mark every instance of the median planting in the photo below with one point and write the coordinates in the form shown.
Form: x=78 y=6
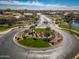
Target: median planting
x=39 y=38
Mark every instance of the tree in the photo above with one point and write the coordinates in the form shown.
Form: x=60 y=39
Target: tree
x=76 y=18
x=58 y=18
x=1 y=11
x=69 y=19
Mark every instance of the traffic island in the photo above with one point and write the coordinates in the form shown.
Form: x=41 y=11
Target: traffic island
x=38 y=38
x=34 y=42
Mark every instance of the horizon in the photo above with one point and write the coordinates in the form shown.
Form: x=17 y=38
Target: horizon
x=40 y=4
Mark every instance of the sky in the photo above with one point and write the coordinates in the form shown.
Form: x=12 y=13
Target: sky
x=40 y=4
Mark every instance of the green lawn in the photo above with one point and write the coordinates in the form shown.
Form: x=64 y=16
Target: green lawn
x=30 y=42
x=4 y=27
x=72 y=28
x=67 y=26
x=64 y=26
x=43 y=30
x=75 y=28
x=76 y=33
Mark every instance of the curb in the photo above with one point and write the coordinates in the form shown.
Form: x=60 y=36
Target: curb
x=34 y=49
x=15 y=41
x=67 y=29
x=4 y=32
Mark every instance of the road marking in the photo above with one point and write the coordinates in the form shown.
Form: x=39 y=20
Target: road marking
x=4 y=56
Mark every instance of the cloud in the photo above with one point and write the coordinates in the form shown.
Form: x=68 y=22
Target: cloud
x=22 y=3
x=40 y=5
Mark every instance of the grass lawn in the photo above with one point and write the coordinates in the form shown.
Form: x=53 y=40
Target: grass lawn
x=72 y=28
x=2 y=27
x=43 y=30
x=64 y=26
x=75 y=28
x=30 y=42
x=76 y=33
x=67 y=26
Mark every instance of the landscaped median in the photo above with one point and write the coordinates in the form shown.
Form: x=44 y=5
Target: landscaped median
x=73 y=30
x=30 y=42
x=35 y=38
x=38 y=38
x=23 y=44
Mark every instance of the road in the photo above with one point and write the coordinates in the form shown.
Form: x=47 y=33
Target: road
x=68 y=48
x=65 y=50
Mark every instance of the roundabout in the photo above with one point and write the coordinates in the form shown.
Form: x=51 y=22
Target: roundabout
x=58 y=49
x=66 y=49
x=38 y=38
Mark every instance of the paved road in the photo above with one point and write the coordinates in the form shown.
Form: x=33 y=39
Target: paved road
x=68 y=48
x=8 y=50
x=65 y=50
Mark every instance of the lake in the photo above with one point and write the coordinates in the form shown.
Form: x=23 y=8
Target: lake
x=75 y=24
